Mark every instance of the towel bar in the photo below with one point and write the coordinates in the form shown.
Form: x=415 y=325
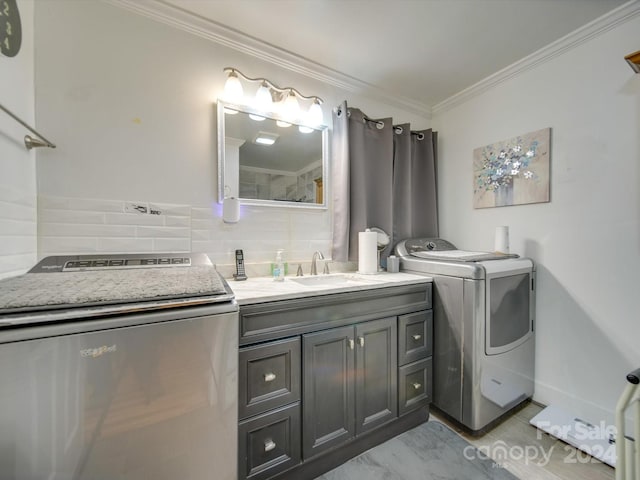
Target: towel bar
x=29 y=141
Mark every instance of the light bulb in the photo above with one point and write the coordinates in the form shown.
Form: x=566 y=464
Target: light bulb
x=304 y=129
x=263 y=102
x=233 y=89
x=315 y=114
x=263 y=98
x=291 y=109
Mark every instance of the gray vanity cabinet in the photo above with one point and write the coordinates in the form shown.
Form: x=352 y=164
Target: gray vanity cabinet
x=326 y=377
x=349 y=382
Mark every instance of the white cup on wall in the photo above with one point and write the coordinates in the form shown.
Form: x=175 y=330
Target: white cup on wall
x=502 y=239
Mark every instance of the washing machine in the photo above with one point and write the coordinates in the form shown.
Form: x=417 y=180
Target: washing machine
x=484 y=312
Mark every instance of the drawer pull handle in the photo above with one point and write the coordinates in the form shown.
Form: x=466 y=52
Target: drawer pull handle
x=361 y=341
x=417 y=385
x=351 y=343
x=417 y=336
x=269 y=377
x=269 y=445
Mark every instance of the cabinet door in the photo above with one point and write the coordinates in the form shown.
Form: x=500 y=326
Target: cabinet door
x=328 y=368
x=376 y=373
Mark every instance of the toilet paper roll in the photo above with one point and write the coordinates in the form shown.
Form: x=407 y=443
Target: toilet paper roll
x=367 y=252
x=502 y=240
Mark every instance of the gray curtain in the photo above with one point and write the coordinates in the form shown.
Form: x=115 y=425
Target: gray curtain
x=380 y=179
x=415 y=201
x=340 y=183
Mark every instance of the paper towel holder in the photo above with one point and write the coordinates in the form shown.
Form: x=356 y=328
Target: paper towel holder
x=382 y=242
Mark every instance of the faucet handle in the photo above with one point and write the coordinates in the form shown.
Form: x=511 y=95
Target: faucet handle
x=299 y=272
x=326 y=267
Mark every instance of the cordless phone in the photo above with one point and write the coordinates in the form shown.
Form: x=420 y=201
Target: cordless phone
x=239 y=275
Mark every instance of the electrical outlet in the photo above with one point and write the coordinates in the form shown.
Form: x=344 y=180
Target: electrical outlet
x=132 y=207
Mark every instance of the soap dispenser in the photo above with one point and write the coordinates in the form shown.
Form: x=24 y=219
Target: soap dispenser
x=278 y=268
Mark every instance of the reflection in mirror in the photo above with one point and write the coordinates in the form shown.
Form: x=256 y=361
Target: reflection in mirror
x=262 y=162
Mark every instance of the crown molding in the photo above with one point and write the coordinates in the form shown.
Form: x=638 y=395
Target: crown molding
x=577 y=37
x=216 y=32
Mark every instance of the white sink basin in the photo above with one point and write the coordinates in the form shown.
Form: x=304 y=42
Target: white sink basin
x=332 y=279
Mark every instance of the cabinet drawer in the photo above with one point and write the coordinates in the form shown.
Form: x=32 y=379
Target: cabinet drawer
x=269 y=376
x=269 y=444
x=414 y=385
x=415 y=337
x=286 y=318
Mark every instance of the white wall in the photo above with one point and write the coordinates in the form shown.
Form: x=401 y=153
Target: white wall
x=130 y=103
x=586 y=241
x=18 y=226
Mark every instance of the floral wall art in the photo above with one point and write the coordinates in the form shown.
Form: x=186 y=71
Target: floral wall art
x=512 y=172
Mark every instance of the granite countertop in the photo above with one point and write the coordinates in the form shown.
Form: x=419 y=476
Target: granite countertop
x=264 y=289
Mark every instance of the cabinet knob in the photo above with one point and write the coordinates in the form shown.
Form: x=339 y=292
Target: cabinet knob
x=269 y=445
x=417 y=336
x=352 y=344
x=269 y=377
x=417 y=385
x=361 y=341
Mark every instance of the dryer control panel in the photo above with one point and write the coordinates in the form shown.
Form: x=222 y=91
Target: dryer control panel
x=413 y=245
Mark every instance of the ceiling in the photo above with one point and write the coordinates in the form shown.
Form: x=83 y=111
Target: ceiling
x=422 y=50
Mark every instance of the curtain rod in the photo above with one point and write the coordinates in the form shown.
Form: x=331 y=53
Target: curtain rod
x=398 y=130
x=29 y=142
x=380 y=124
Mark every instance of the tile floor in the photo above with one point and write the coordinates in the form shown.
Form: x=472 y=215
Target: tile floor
x=537 y=455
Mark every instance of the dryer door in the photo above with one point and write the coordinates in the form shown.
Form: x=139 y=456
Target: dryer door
x=509 y=305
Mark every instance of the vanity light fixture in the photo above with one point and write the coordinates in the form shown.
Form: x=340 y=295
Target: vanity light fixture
x=271 y=98
x=633 y=59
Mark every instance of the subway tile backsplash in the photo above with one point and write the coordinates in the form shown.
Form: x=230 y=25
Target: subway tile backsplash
x=83 y=225
x=18 y=230
x=86 y=225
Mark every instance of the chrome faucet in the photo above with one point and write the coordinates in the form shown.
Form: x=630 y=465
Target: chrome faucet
x=314 y=269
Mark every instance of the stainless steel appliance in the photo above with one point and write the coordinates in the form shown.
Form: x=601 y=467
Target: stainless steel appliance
x=484 y=310
x=118 y=366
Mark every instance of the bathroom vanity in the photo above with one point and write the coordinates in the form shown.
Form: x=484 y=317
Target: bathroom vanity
x=329 y=369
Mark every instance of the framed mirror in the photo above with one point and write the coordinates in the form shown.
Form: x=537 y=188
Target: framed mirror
x=262 y=162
